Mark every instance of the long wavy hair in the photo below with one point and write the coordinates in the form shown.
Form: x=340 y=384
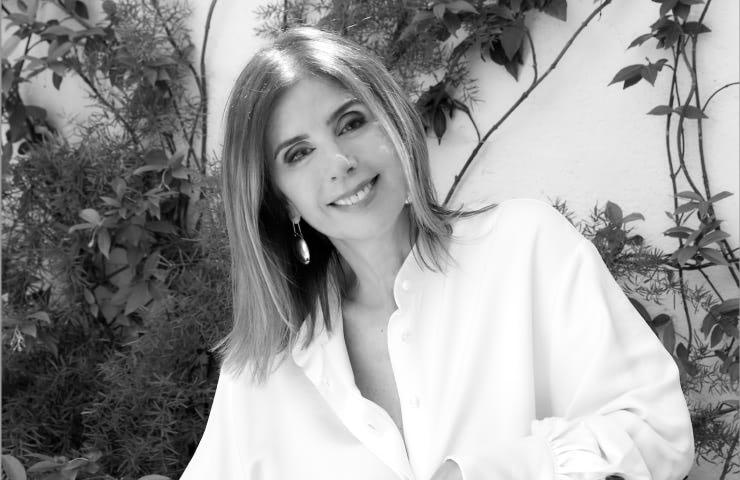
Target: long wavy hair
x=273 y=293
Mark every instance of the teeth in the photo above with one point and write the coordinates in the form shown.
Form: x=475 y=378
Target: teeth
x=352 y=199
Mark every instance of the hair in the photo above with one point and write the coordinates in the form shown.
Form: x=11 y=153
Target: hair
x=273 y=293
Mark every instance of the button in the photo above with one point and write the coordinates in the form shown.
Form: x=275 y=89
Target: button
x=326 y=384
x=406 y=336
x=415 y=402
x=405 y=285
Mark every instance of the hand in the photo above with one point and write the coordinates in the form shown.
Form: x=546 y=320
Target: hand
x=449 y=470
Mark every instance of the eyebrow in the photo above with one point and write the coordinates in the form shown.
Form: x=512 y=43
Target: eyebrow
x=332 y=118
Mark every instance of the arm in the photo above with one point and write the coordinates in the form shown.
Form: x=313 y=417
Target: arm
x=612 y=403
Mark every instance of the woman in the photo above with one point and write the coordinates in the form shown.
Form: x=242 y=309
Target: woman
x=378 y=335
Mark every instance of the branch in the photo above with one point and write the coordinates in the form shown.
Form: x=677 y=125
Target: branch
x=110 y=107
x=706 y=104
x=534 y=55
x=523 y=97
x=204 y=94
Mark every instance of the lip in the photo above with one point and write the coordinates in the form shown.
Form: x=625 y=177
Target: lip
x=353 y=191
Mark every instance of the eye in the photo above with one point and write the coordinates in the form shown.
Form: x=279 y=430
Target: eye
x=297 y=154
x=353 y=122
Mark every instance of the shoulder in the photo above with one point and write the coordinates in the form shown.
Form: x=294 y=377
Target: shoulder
x=517 y=216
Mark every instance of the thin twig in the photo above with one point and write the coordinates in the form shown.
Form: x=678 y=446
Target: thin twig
x=728 y=460
x=521 y=99
x=110 y=107
x=706 y=104
x=534 y=54
x=204 y=95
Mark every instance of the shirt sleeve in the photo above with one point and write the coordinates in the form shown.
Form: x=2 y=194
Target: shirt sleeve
x=612 y=401
x=216 y=455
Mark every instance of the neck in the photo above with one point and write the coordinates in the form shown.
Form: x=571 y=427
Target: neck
x=375 y=262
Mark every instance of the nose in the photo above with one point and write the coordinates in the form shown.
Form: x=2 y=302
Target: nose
x=341 y=165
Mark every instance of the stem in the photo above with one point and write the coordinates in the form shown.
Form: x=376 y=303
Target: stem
x=681 y=118
x=534 y=55
x=110 y=107
x=175 y=46
x=728 y=460
x=716 y=292
x=521 y=99
x=204 y=94
x=706 y=104
x=686 y=309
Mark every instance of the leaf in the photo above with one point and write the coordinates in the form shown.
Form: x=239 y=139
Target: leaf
x=56 y=80
x=119 y=186
x=632 y=217
x=684 y=254
x=661 y=110
x=149 y=168
x=613 y=212
x=626 y=73
x=13 y=468
x=695 y=28
x=104 y=241
x=41 y=316
x=111 y=202
x=649 y=72
x=681 y=10
x=35 y=113
x=668 y=335
x=712 y=237
x=439 y=123
x=691 y=195
x=687 y=207
x=511 y=40
x=138 y=297
x=640 y=40
x=458 y=6
x=716 y=336
x=557 y=9
x=91 y=215
x=719 y=196
x=690 y=111
x=667 y=6
x=59 y=50
x=439 y=10
x=710 y=319
x=678 y=232
x=729 y=306
x=109 y=7
x=81 y=10
x=713 y=255
x=641 y=310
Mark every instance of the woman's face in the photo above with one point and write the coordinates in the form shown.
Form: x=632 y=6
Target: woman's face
x=333 y=162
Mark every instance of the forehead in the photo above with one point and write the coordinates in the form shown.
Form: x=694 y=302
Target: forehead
x=305 y=103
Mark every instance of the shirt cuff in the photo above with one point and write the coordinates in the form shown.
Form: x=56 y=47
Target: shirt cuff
x=527 y=458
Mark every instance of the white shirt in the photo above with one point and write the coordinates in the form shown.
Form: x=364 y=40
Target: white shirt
x=523 y=361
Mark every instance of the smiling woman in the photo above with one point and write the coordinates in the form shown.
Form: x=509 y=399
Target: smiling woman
x=378 y=335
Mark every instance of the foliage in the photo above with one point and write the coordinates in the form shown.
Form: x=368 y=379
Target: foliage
x=107 y=288
x=708 y=358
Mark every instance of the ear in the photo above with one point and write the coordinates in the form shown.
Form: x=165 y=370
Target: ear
x=293 y=213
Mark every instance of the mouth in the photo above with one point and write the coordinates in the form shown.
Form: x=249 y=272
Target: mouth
x=357 y=195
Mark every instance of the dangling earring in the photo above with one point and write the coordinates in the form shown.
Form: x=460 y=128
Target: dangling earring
x=408 y=199
x=300 y=247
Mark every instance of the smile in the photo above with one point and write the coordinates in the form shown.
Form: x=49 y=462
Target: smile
x=358 y=195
